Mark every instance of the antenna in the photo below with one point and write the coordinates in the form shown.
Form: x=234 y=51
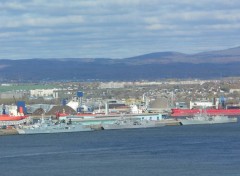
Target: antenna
x=15 y=103
x=14 y=99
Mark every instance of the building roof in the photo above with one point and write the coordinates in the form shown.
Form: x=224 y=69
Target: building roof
x=61 y=109
x=159 y=103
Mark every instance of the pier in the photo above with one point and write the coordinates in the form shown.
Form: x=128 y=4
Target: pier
x=4 y=132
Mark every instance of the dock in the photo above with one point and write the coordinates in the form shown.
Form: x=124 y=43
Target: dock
x=169 y=122
x=4 y=132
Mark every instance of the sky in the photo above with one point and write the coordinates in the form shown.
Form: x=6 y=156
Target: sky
x=115 y=28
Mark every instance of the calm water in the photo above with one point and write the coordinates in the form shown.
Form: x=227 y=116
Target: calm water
x=203 y=150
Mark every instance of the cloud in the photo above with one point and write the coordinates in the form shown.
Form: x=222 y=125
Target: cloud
x=40 y=21
x=11 y=5
x=119 y=28
x=159 y=27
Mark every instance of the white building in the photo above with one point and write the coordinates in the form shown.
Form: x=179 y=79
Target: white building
x=11 y=94
x=234 y=90
x=44 y=93
x=200 y=104
x=113 y=85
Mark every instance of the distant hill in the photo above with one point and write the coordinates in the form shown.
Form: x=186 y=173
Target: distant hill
x=221 y=56
x=160 y=57
x=213 y=64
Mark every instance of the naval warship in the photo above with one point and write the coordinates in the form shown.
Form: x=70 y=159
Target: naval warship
x=129 y=124
x=48 y=126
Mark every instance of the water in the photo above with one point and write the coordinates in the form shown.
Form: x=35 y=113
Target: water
x=204 y=150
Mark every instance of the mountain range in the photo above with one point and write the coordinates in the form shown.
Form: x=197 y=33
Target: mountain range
x=153 y=66
x=221 y=56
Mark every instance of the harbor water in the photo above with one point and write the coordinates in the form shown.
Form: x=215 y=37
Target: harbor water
x=197 y=150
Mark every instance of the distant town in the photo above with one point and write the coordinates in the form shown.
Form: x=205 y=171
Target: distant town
x=149 y=96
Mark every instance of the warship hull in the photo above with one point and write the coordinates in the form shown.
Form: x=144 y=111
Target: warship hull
x=131 y=125
x=53 y=129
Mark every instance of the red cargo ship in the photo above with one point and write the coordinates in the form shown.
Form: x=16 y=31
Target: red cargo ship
x=10 y=117
x=191 y=112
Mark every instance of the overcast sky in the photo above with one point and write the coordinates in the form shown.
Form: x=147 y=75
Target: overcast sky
x=115 y=28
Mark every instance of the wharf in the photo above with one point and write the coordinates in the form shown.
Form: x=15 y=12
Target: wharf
x=169 y=122
x=4 y=132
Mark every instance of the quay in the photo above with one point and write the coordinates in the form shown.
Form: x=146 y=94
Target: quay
x=4 y=132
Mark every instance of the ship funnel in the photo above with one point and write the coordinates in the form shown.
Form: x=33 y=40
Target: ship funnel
x=21 y=107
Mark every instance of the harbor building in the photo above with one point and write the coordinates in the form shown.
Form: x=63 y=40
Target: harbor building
x=44 y=93
x=159 y=105
x=201 y=104
x=11 y=94
x=113 y=85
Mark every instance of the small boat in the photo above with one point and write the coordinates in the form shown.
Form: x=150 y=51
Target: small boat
x=129 y=124
x=206 y=119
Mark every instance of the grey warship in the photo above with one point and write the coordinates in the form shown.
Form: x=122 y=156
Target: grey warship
x=131 y=124
x=206 y=119
x=48 y=126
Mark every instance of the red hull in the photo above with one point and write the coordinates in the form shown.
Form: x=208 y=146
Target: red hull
x=6 y=117
x=190 y=112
